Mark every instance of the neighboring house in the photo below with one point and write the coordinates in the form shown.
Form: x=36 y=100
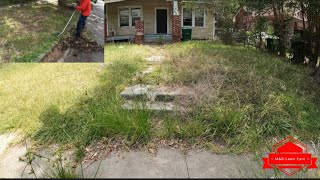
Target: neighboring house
x=246 y=19
x=148 y=20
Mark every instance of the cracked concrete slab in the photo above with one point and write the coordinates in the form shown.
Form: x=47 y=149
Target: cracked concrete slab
x=5 y=140
x=11 y=166
x=171 y=163
x=168 y=163
x=203 y=164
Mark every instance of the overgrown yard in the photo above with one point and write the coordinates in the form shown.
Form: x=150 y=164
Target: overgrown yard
x=241 y=99
x=29 y=30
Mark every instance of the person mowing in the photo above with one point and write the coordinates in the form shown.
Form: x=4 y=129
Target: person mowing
x=85 y=9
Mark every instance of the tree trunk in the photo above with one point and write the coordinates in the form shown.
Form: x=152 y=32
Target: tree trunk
x=317 y=75
x=260 y=40
x=279 y=23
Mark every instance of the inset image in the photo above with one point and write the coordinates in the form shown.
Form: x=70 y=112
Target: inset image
x=52 y=31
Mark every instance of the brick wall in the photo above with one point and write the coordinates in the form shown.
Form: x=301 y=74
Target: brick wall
x=139 y=31
x=176 y=28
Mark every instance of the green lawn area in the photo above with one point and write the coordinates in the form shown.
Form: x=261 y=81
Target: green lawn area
x=29 y=89
x=28 y=31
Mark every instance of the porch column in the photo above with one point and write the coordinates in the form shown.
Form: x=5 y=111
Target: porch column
x=176 y=22
x=139 y=26
x=105 y=23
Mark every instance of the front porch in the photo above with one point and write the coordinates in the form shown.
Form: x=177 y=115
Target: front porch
x=148 y=38
x=143 y=22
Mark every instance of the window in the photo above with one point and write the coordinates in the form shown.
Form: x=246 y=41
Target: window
x=136 y=15
x=193 y=18
x=124 y=17
x=128 y=16
x=187 y=17
x=199 y=18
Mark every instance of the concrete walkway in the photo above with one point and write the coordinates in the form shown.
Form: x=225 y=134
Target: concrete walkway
x=171 y=163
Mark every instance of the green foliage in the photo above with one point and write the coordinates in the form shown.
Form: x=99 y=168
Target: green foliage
x=261 y=24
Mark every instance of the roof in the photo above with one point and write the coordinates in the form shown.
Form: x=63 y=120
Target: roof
x=113 y=1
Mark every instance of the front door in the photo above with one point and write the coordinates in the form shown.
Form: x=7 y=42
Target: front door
x=162 y=19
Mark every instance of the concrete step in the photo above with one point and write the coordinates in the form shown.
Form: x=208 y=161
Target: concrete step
x=153 y=106
x=148 y=93
x=155 y=58
x=136 y=92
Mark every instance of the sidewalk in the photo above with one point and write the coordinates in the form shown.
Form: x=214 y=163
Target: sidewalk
x=167 y=163
x=171 y=163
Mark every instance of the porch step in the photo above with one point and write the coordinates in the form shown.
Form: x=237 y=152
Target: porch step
x=120 y=38
x=152 y=38
x=148 y=38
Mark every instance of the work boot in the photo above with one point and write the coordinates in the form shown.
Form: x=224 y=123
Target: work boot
x=76 y=35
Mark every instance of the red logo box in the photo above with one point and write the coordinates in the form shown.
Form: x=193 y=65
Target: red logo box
x=289 y=156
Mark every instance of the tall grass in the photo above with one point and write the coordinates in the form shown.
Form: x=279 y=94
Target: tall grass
x=99 y=113
x=243 y=97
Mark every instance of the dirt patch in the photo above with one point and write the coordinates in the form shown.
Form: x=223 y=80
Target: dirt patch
x=80 y=44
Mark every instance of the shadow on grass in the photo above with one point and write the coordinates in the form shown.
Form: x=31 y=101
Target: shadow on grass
x=97 y=114
x=15 y=2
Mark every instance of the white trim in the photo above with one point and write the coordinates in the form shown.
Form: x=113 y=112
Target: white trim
x=214 y=28
x=106 y=16
x=155 y=17
x=194 y=19
x=130 y=15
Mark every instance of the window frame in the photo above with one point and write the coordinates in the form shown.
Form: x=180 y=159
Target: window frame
x=193 y=18
x=130 y=15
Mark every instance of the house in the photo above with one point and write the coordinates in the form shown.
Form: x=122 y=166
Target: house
x=245 y=19
x=148 y=20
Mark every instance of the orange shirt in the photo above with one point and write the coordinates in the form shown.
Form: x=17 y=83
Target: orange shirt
x=85 y=7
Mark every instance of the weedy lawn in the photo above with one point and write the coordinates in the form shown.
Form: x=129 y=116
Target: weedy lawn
x=243 y=98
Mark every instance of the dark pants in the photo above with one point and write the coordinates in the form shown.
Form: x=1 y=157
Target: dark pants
x=81 y=24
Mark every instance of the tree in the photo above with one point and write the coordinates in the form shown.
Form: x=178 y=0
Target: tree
x=311 y=8
x=279 y=18
x=261 y=26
